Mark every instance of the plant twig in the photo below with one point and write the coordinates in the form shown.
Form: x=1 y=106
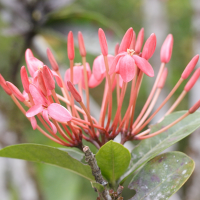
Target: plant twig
x=90 y=159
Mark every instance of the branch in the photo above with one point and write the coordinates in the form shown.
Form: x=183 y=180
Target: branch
x=90 y=159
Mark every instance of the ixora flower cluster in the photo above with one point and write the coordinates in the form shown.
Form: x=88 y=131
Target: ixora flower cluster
x=74 y=123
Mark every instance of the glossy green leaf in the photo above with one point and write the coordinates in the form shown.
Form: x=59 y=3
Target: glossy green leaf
x=151 y=147
x=98 y=186
x=49 y=155
x=113 y=160
x=161 y=177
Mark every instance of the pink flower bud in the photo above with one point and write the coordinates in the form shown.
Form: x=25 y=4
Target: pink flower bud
x=139 y=41
x=41 y=83
x=194 y=107
x=166 y=49
x=116 y=49
x=70 y=46
x=15 y=91
x=4 y=86
x=103 y=42
x=163 y=78
x=189 y=68
x=126 y=40
x=48 y=78
x=192 y=80
x=81 y=44
x=133 y=41
x=149 y=47
x=52 y=60
x=24 y=78
x=74 y=92
x=28 y=54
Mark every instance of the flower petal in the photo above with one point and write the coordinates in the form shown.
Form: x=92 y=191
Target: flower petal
x=77 y=74
x=37 y=95
x=33 y=122
x=46 y=118
x=93 y=82
x=33 y=65
x=144 y=65
x=36 y=109
x=58 y=79
x=127 y=68
x=59 y=113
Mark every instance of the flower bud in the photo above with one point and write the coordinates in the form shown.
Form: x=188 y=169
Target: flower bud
x=166 y=49
x=133 y=41
x=81 y=44
x=41 y=83
x=189 y=68
x=48 y=78
x=4 y=86
x=24 y=78
x=15 y=91
x=52 y=60
x=126 y=40
x=194 y=107
x=163 y=78
x=139 y=41
x=103 y=42
x=192 y=80
x=70 y=46
x=149 y=47
x=74 y=92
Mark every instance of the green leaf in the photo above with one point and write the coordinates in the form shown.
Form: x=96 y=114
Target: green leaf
x=162 y=176
x=49 y=155
x=98 y=186
x=74 y=153
x=113 y=160
x=151 y=147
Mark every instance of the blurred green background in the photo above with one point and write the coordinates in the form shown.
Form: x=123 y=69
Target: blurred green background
x=39 y=24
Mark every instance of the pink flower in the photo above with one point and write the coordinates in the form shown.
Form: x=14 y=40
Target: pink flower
x=125 y=63
x=54 y=110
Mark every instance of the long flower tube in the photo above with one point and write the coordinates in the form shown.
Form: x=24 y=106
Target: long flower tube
x=69 y=125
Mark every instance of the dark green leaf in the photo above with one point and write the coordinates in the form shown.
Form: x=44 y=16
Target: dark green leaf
x=49 y=155
x=151 y=147
x=162 y=176
x=113 y=160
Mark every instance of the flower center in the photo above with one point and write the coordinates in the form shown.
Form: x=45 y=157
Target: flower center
x=130 y=52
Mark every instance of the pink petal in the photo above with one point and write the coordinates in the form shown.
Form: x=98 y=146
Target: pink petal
x=48 y=78
x=93 y=82
x=46 y=118
x=59 y=113
x=120 y=81
x=144 y=65
x=77 y=75
x=33 y=122
x=4 y=85
x=36 y=109
x=58 y=79
x=99 y=68
x=112 y=68
x=24 y=78
x=127 y=68
x=33 y=65
x=37 y=95
x=139 y=41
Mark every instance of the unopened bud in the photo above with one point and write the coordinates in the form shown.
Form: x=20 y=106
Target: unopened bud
x=126 y=40
x=74 y=92
x=41 y=83
x=149 y=47
x=25 y=79
x=133 y=41
x=139 y=41
x=48 y=78
x=103 y=42
x=4 y=86
x=189 y=68
x=81 y=44
x=166 y=49
x=192 y=80
x=163 y=78
x=194 y=107
x=15 y=91
x=70 y=46
x=52 y=60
